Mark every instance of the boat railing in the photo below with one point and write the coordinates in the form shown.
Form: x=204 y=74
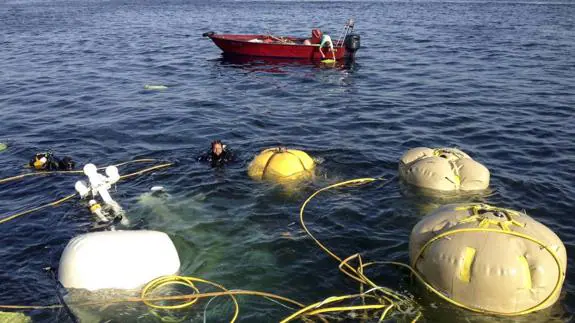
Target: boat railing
x=347 y=29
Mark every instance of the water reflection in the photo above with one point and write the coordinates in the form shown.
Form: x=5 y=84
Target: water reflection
x=437 y=310
x=281 y=65
x=427 y=200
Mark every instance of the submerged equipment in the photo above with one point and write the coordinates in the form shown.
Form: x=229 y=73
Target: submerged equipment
x=443 y=169
x=281 y=165
x=99 y=186
x=488 y=259
x=96 y=209
x=117 y=259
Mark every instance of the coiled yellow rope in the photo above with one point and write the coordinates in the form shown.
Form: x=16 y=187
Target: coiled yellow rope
x=185 y=281
x=357 y=273
x=387 y=299
x=189 y=299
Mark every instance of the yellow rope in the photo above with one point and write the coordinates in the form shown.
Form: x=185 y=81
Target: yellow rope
x=5 y=219
x=189 y=299
x=149 y=169
x=55 y=203
x=301 y=212
x=357 y=273
x=30 y=307
x=388 y=299
x=388 y=296
x=314 y=308
x=186 y=281
x=168 y=280
x=40 y=173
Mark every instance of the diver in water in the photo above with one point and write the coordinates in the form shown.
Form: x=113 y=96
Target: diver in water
x=47 y=161
x=218 y=154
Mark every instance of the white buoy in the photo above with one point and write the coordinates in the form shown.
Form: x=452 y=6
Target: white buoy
x=117 y=259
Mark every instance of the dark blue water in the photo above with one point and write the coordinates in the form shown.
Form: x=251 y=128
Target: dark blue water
x=493 y=78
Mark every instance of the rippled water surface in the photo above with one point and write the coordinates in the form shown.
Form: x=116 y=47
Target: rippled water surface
x=494 y=78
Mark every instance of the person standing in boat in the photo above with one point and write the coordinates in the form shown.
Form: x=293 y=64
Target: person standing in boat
x=326 y=40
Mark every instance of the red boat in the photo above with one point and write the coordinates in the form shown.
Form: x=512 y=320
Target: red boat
x=287 y=47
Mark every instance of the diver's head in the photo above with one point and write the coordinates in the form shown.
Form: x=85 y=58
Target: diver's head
x=217 y=148
x=67 y=164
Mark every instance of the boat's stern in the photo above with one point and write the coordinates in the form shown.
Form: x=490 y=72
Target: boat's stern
x=351 y=44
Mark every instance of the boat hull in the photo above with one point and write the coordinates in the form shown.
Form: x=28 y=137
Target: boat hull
x=244 y=45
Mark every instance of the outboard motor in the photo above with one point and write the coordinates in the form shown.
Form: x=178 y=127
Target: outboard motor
x=352 y=44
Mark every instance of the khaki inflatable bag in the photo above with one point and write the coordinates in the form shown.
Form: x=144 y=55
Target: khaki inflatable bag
x=489 y=259
x=444 y=169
